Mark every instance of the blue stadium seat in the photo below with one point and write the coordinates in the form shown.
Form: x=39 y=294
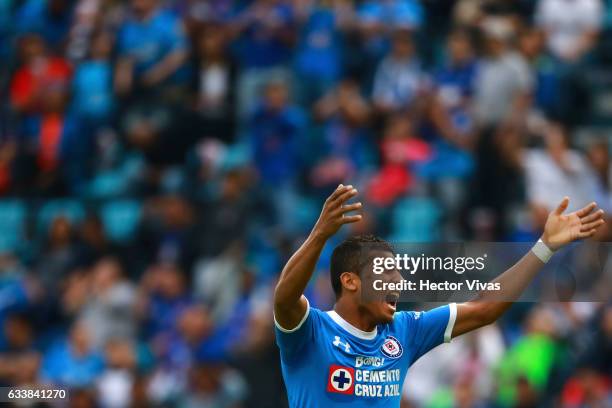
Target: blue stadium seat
x=120 y=219
x=115 y=182
x=416 y=219
x=73 y=210
x=13 y=215
x=106 y=184
x=306 y=210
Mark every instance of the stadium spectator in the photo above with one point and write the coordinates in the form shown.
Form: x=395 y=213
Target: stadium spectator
x=215 y=385
x=402 y=151
x=152 y=48
x=92 y=97
x=215 y=85
x=265 y=36
x=455 y=131
x=51 y=19
x=318 y=52
x=544 y=73
x=399 y=82
x=275 y=132
x=570 y=37
x=164 y=298
x=587 y=388
x=504 y=83
x=558 y=168
x=50 y=139
x=114 y=386
x=471 y=359
x=571 y=27
x=344 y=114
x=454 y=88
x=167 y=233
x=58 y=255
x=376 y=20
x=599 y=158
x=524 y=370
x=19 y=356
x=226 y=215
x=73 y=362
x=502 y=101
x=109 y=309
x=406 y=14
x=37 y=73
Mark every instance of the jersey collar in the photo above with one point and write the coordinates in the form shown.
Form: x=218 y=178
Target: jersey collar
x=352 y=329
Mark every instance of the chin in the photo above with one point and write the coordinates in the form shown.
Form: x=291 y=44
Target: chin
x=381 y=312
x=387 y=318
x=386 y=314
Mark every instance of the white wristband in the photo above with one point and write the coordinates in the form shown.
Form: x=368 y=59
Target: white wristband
x=542 y=251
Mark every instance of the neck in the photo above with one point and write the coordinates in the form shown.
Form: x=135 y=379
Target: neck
x=351 y=312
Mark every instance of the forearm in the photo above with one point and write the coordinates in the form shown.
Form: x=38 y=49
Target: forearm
x=123 y=75
x=297 y=272
x=441 y=121
x=488 y=306
x=512 y=283
x=167 y=66
x=173 y=62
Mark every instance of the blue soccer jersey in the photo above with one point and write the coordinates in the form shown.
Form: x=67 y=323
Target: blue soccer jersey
x=327 y=362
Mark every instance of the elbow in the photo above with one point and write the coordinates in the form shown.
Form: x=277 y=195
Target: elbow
x=285 y=298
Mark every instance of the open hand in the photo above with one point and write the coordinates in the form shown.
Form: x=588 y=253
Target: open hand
x=561 y=229
x=333 y=215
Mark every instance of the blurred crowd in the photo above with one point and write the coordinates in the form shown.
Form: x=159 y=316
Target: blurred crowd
x=161 y=159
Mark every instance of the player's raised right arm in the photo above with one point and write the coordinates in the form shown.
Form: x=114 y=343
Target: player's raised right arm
x=289 y=302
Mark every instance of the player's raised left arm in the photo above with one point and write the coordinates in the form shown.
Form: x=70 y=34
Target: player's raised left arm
x=290 y=305
x=560 y=229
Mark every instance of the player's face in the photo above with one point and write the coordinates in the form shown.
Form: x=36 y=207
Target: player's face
x=379 y=304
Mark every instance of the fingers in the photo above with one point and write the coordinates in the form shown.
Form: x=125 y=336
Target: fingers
x=562 y=206
x=591 y=225
x=587 y=234
x=339 y=190
x=586 y=209
x=592 y=217
x=349 y=207
x=349 y=219
x=345 y=195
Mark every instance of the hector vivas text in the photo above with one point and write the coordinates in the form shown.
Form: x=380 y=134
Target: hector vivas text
x=412 y=264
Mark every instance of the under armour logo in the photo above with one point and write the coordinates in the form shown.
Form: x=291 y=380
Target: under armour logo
x=338 y=343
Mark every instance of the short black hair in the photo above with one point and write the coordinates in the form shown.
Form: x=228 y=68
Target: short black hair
x=348 y=255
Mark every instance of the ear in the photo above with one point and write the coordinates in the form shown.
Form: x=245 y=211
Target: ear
x=350 y=281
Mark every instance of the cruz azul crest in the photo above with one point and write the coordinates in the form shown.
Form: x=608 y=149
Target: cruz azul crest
x=391 y=347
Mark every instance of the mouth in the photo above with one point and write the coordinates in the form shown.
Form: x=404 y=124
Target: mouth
x=391 y=300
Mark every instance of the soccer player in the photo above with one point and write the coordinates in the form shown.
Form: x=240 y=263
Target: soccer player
x=358 y=353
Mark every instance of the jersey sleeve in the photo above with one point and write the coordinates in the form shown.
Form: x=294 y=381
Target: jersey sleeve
x=426 y=330
x=294 y=342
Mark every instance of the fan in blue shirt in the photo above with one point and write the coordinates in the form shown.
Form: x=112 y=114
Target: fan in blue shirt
x=152 y=47
x=359 y=352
